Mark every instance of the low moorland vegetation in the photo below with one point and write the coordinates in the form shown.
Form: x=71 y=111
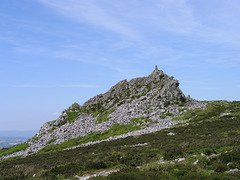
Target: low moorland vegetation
x=207 y=146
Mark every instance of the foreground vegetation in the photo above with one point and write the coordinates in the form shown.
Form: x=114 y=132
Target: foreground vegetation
x=209 y=146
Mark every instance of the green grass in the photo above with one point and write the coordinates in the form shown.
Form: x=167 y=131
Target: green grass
x=213 y=110
x=50 y=141
x=13 y=149
x=96 y=113
x=164 y=115
x=140 y=121
x=169 y=114
x=83 y=109
x=103 y=116
x=128 y=92
x=35 y=138
x=72 y=116
x=51 y=130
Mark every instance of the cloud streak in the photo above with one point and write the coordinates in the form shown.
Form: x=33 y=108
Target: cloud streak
x=137 y=19
x=51 y=86
x=140 y=25
x=91 y=12
x=130 y=19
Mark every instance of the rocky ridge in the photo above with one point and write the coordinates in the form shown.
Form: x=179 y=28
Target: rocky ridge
x=147 y=102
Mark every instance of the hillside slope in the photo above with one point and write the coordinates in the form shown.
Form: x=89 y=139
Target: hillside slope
x=206 y=146
x=142 y=105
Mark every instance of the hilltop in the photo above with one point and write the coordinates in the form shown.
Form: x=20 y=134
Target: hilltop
x=142 y=105
x=145 y=128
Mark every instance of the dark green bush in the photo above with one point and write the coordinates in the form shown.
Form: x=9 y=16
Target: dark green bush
x=172 y=153
x=220 y=168
x=97 y=165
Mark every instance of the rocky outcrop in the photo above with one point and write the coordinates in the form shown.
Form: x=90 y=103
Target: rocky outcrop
x=155 y=98
x=165 y=88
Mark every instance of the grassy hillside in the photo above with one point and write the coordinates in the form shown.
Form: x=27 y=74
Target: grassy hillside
x=205 y=147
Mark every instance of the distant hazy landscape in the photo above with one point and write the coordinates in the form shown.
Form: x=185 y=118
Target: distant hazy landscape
x=10 y=141
x=11 y=138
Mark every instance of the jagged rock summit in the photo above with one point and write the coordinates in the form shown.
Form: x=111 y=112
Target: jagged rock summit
x=162 y=87
x=143 y=105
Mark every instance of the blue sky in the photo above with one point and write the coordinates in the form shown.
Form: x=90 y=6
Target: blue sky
x=57 y=52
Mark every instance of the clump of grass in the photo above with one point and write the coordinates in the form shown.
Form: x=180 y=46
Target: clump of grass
x=104 y=116
x=127 y=92
x=83 y=109
x=51 y=130
x=35 y=138
x=169 y=114
x=140 y=120
x=96 y=113
x=51 y=141
x=164 y=115
x=72 y=116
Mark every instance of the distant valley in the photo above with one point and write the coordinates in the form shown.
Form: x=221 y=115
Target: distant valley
x=11 y=138
x=6 y=142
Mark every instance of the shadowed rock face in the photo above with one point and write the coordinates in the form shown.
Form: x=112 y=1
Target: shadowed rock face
x=150 y=101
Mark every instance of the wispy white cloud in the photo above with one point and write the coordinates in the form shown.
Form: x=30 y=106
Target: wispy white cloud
x=113 y=63
x=30 y=49
x=139 y=23
x=119 y=65
x=51 y=86
x=26 y=86
x=138 y=19
x=78 y=86
x=91 y=12
x=223 y=59
x=184 y=18
x=135 y=20
x=174 y=16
